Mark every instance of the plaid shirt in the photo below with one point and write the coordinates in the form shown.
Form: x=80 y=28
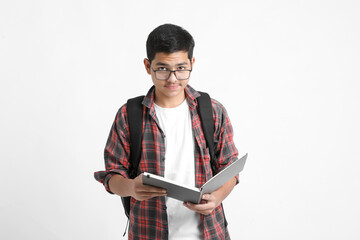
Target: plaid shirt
x=148 y=219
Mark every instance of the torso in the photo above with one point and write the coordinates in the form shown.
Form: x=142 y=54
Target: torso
x=180 y=167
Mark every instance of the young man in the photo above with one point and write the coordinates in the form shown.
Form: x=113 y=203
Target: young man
x=173 y=146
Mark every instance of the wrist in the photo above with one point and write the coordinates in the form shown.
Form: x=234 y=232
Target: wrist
x=121 y=185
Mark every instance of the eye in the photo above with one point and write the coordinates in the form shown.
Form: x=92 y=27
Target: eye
x=181 y=68
x=162 y=69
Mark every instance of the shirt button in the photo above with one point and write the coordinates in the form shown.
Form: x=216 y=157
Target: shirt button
x=164 y=208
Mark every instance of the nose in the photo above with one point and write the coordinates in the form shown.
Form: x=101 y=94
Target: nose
x=172 y=77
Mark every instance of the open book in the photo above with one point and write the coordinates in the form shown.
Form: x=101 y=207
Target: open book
x=192 y=194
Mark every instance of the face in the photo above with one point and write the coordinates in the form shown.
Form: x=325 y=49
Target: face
x=172 y=88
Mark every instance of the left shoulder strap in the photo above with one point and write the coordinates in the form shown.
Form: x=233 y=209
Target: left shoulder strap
x=207 y=123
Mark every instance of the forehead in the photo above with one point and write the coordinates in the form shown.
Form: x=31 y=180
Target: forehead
x=162 y=58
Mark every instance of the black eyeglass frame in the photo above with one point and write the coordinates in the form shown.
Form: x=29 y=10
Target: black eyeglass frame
x=174 y=71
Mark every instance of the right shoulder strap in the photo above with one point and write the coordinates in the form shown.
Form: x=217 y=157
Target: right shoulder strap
x=134 y=110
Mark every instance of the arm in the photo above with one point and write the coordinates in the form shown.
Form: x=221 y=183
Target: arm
x=225 y=154
x=214 y=199
x=134 y=188
x=116 y=156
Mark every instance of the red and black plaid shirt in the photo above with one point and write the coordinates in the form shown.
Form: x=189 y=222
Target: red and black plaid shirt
x=148 y=219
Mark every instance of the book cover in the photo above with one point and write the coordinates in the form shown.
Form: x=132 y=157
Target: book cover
x=185 y=193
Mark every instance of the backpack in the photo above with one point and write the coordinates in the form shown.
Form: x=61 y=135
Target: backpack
x=135 y=118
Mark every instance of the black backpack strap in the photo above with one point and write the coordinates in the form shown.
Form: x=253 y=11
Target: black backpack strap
x=207 y=123
x=134 y=109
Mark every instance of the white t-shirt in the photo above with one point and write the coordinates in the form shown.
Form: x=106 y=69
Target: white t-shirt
x=180 y=167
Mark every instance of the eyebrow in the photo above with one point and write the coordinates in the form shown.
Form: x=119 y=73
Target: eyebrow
x=167 y=65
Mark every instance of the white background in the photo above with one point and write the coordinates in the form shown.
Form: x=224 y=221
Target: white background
x=287 y=72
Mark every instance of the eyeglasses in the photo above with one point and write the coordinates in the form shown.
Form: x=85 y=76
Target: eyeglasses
x=164 y=75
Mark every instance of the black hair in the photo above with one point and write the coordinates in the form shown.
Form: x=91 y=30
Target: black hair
x=169 y=38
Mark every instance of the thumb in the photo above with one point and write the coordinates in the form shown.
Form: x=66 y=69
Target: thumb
x=206 y=197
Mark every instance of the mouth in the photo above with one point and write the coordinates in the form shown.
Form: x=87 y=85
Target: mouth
x=172 y=87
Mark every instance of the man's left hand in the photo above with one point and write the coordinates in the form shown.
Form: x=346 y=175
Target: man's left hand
x=207 y=205
x=213 y=200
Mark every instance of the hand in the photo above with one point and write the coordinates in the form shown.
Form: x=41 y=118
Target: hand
x=213 y=200
x=208 y=204
x=143 y=192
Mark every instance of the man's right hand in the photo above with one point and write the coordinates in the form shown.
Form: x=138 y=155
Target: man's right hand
x=134 y=187
x=143 y=192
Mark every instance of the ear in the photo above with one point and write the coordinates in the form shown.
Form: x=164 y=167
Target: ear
x=192 y=61
x=147 y=65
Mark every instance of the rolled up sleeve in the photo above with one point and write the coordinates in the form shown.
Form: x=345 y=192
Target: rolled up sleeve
x=117 y=150
x=225 y=149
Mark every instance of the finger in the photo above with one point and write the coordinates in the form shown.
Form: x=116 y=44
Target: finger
x=208 y=197
x=205 y=197
x=150 y=189
x=146 y=195
x=150 y=194
x=199 y=208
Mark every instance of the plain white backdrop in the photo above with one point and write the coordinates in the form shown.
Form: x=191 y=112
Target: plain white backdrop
x=287 y=72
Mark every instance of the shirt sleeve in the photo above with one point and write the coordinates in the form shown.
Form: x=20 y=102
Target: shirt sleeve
x=225 y=150
x=117 y=150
